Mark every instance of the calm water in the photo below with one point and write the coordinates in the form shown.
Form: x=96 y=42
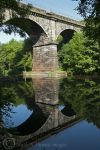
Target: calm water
x=50 y=114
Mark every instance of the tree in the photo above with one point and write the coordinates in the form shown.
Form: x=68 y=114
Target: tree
x=17 y=8
x=90 y=10
x=80 y=55
x=15 y=57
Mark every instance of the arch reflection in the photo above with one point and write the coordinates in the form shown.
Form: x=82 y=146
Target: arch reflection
x=33 y=123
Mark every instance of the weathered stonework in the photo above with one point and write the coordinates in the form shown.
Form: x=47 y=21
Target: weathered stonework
x=45 y=58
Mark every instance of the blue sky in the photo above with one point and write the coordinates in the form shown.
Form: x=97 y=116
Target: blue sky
x=62 y=7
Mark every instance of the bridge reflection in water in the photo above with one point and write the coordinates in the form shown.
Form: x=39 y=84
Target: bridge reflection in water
x=48 y=115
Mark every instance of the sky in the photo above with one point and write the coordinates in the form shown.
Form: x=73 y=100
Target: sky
x=61 y=7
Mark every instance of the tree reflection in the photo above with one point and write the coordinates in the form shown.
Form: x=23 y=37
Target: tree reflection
x=15 y=93
x=84 y=97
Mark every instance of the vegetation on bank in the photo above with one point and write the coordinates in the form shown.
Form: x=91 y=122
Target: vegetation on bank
x=90 y=11
x=15 y=57
x=80 y=55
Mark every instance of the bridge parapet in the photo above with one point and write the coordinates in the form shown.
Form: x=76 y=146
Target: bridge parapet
x=53 y=16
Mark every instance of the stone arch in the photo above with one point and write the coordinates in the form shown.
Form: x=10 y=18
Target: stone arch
x=30 y=25
x=61 y=27
x=66 y=108
x=67 y=35
x=31 y=125
x=68 y=111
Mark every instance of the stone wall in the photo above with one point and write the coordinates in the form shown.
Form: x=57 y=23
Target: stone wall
x=45 y=58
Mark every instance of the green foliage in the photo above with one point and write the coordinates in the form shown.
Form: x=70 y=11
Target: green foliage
x=59 y=39
x=15 y=92
x=18 y=9
x=15 y=57
x=90 y=10
x=80 y=55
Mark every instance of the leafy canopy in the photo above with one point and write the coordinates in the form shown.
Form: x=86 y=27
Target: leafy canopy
x=79 y=55
x=90 y=10
x=17 y=8
x=15 y=57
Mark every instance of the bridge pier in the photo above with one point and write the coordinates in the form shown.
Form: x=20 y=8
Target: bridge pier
x=45 y=57
x=45 y=61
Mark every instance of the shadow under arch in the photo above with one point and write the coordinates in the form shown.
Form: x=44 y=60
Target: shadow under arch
x=64 y=37
x=67 y=110
x=67 y=35
x=36 y=120
x=32 y=28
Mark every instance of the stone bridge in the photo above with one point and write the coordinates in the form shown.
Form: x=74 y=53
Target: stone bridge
x=43 y=28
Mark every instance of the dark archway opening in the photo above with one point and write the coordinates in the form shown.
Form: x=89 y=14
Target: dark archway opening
x=64 y=37
x=67 y=35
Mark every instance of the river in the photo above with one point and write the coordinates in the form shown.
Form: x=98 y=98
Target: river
x=50 y=114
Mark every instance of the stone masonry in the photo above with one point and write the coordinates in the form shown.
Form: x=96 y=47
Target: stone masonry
x=45 y=58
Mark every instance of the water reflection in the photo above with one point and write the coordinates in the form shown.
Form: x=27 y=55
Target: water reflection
x=13 y=119
x=35 y=108
x=32 y=123
x=84 y=97
x=15 y=96
x=46 y=90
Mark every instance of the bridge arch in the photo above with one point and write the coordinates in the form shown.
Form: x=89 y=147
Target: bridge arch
x=66 y=108
x=67 y=35
x=68 y=111
x=31 y=125
x=63 y=27
x=31 y=26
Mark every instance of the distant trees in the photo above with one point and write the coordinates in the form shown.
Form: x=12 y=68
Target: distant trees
x=15 y=57
x=80 y=55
